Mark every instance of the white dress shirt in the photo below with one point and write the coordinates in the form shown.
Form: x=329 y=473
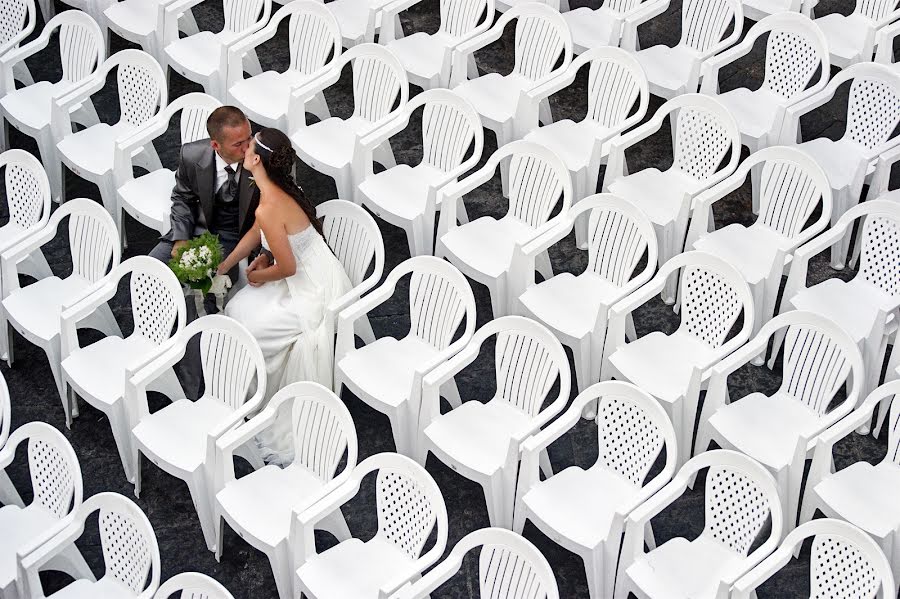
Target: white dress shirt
x=221 y=174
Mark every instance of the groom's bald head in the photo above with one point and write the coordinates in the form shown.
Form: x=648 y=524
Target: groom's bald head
x=229 y=132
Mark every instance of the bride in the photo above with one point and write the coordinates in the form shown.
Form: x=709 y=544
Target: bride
x=284 y=304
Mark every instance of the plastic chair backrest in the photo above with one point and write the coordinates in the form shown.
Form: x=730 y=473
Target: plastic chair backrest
x=816 y=365
x=702 y=139
x=459 y=17
x=875 y=10
x=792 y=57
x=632 y=429
x=439 y=297
x=873 y=110
x=449 y=128
x=13 y=18
x=192 y=585
x=156 y=296
x=378 y=79
x=81 y=45
x=55 y=473
x=736 y=508
x=241 y=14
x=142 y=86
x=314 y=35
x=711 y=303
x=353 y=236
x=93 y=238
x=536 y=184
x=541 y=39
x=791 y=186
x=881 y=254
x=617 y=239
x=27 y=189
x=405 y=511
x=615 y=82
x=704 y=22
x=230 y=357
x=322 y=429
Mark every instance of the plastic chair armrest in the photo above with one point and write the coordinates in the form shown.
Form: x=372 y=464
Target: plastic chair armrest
x=296 y=115
x=638 y=16
x=324 y=506
x=762 y=572
x=42 y=550
x=27 y=244
x=792 y=113
x=658 y=502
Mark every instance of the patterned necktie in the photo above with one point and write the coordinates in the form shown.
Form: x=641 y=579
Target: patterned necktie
x=228 y=191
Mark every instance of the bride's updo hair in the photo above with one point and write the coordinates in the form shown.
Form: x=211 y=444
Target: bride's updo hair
x=277 y=156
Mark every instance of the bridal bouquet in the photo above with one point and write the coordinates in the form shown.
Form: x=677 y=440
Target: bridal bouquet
x=196 y=263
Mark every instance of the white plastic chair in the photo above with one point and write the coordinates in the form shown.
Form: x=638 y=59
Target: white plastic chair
x=584 y=510
x=204 y=57
x=17 y=18
x=851 y=38
x=576 y=307
x=617 y=100
x=409 y=506
x=873 y=112
x=428 y=58
x=263 y=505
x=845 y=563
x=884 y=43
x=34 y=311
x=90 y=153
x=314 y=43
x=791 y=185
x=8 y=493
x=483 y=440
x=704 y=133
x=140 y=21
x=192 y=585
x=509 y=567
x=57 y=491
x=97 y=372
x=866 y=306
x=148 y=198
x=781 y=430
x=355 y=239
x=387 y=374
x=740 y=498
x=489 y=250
x=406 y=196
x=607 y=24
x=28 y=202
x=863 y=494
x=673 y=71
x=543 y=50
x=181 y=437
x=673 y=368
x=360 y=20
x=795 y=49
x=130 y=552
x=380 y=90
x=81 y=52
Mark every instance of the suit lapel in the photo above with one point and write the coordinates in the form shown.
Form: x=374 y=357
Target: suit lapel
x=206 y=179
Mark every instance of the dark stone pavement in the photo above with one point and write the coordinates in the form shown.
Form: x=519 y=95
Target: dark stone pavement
x=245 y=571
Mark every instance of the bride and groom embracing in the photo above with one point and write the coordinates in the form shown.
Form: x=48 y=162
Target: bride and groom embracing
x=240 y=187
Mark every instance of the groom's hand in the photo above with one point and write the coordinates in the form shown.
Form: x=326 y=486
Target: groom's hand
x=177 y=246
x=261 y=262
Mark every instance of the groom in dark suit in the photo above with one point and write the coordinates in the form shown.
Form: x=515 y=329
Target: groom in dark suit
x=212 y=191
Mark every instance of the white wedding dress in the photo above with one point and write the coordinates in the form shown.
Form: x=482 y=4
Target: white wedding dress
x=287 y=318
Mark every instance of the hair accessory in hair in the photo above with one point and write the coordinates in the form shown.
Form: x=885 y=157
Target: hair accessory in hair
x=260 y=143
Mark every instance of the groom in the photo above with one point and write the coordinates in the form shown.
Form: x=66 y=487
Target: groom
x=212 y=191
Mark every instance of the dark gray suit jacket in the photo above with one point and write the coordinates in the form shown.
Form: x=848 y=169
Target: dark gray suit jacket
x=193 y=195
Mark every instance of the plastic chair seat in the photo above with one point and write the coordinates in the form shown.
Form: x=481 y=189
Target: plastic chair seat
x=353 y=15
x=662 y=364
x=477 y=435
x=571 y=141
x=846 y=35
x=865 y=495
x=591 y=28
x=105 y=588
x=99 y=370
x=178 y=433
x=135 y=16
x=853 y=305
x=20 y=526
x=148 y=198
x=486 y=245
x=330 y=142
x=754 y=110
x=579 y=505
x=750 y=249
x=199 y=53
x=667 y=68
x=29 y=107
x=35 y=309
x=400 y=191
x=839 y=159
x=385 y=368
x=681 y=569
x=766 y=428
x=352 y=569
x=657 y=193
x=267 y=94
x=421 y=54
x=757 y=9
x=283 y=488
x=568 y=303
x=494 y=96
x=92 y=150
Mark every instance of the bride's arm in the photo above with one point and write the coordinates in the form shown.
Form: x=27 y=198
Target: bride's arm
x=285 y=265
x=249 y=242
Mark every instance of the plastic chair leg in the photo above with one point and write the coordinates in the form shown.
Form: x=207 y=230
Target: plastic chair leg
x=8 y=493
x=35 y=265
x=280 y=560
x=121 y=430
x=363 y=329
x=198 y=486
x=451 y=393
x=169 y=385
x=336 y=525
x=70 y=561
